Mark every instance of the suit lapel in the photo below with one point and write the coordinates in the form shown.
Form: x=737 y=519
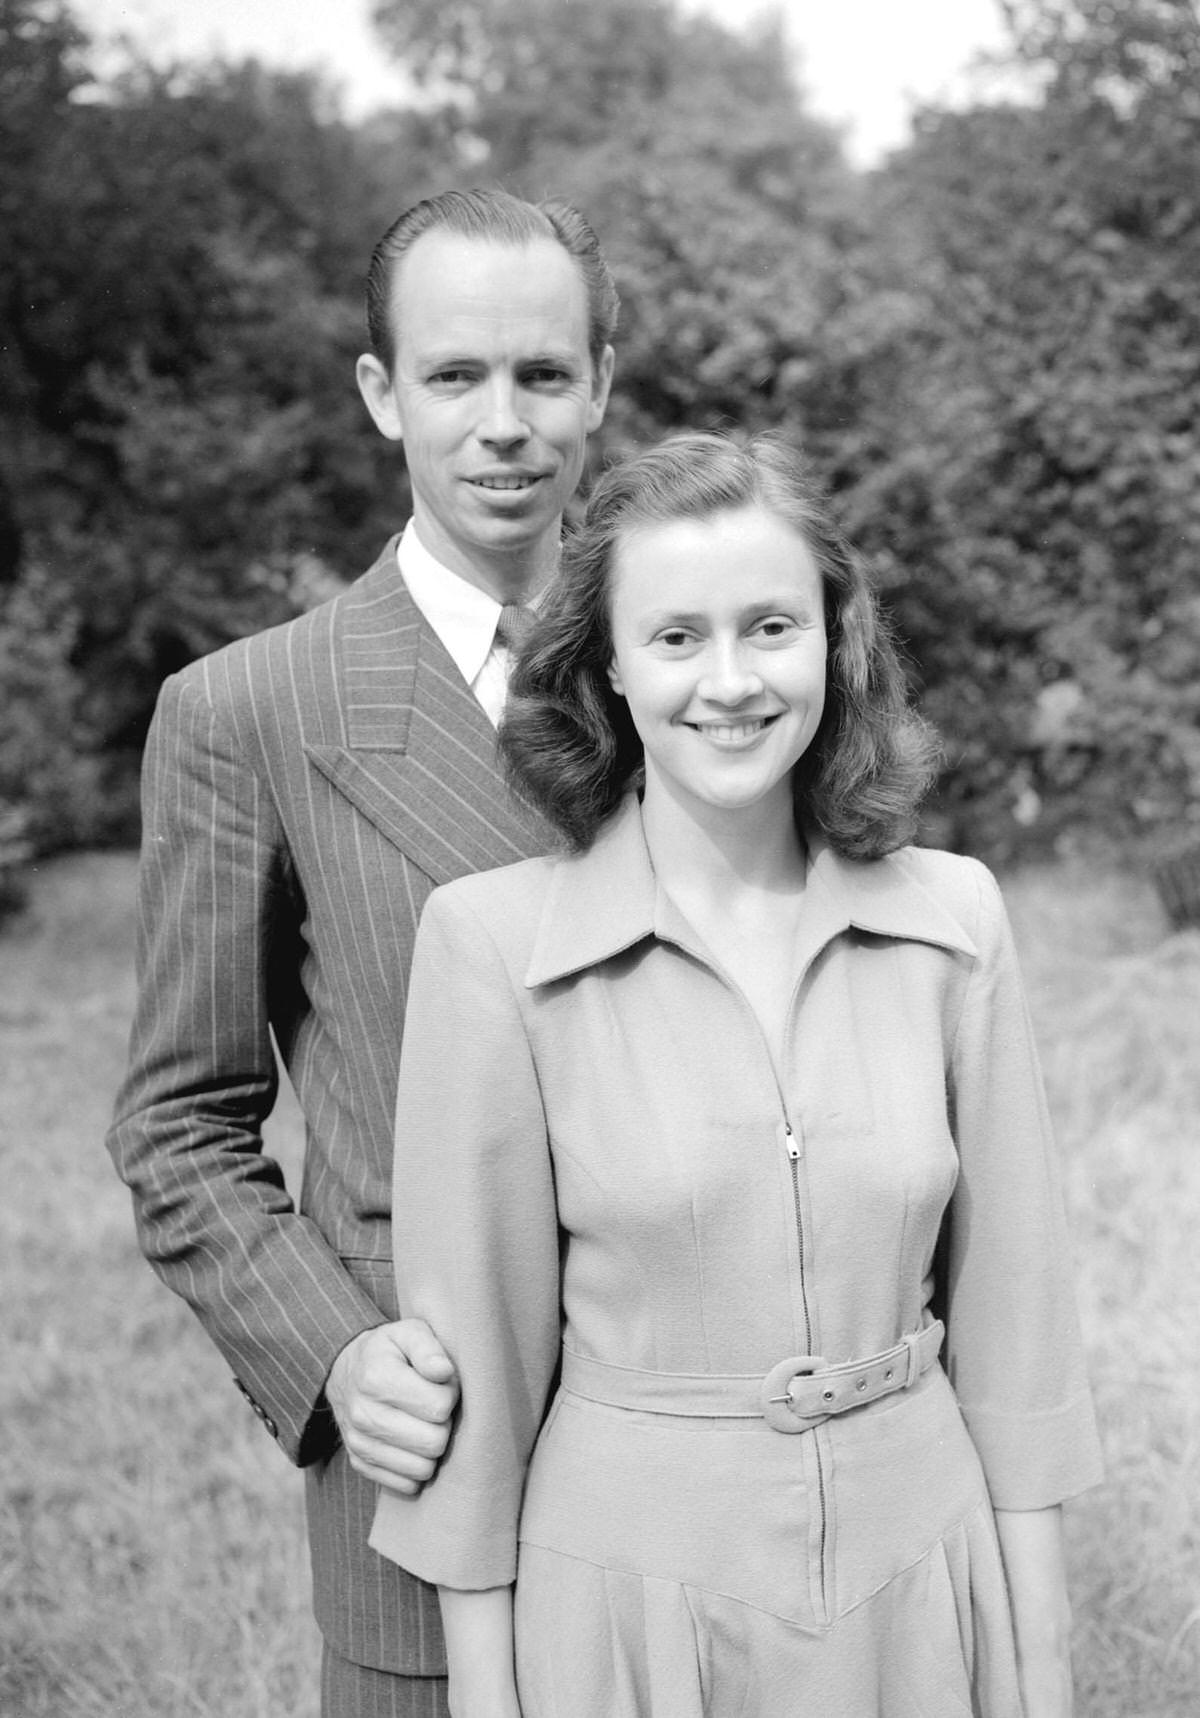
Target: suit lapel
x=420 y=755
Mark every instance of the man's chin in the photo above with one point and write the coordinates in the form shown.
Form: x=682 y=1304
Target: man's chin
x=515 y=528
x=529 y=509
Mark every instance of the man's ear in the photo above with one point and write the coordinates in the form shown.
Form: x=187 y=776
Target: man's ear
x=375 y=386
x=601 y=383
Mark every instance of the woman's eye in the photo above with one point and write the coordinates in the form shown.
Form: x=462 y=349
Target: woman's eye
x=674 y=638
x=776 y=626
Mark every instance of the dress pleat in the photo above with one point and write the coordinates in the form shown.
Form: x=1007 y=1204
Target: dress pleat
x=896 y=1608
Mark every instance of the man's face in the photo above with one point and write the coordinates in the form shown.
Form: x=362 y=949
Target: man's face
x=493 y=394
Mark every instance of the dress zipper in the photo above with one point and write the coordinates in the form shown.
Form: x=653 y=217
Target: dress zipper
x=793 y=1152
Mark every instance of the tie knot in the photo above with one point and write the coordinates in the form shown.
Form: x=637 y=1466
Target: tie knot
x=515 y=624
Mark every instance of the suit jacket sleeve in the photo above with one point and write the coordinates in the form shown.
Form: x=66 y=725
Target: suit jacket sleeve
x=217 y=952
x=1014 y=1351
x=476 y=1244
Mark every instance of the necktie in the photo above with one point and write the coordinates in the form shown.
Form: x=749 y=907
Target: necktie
x=515 y=625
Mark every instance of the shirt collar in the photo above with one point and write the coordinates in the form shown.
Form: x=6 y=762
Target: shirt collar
x=607 y=899
x=463 y=616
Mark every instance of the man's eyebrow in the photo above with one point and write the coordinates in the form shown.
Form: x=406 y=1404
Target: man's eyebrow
x=434 y=359
x=457 y=357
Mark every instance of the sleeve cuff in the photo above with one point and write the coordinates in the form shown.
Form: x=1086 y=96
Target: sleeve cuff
x=413 y=1532
x=1032 y=1461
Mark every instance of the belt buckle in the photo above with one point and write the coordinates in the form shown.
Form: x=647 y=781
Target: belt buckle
x=779 y=1410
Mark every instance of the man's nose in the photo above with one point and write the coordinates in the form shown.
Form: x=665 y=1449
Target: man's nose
x=503 y=421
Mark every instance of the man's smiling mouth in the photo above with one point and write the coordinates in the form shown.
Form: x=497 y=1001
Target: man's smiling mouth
x=516 y=480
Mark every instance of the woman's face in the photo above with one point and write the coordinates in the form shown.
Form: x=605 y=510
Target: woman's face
x=719 y=651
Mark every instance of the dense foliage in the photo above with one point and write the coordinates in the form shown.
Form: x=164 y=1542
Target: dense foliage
x=1047 y=437
x=990 y=346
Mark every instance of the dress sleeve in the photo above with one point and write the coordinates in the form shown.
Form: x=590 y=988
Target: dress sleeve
x=475 y=1233
x=1014 y=1351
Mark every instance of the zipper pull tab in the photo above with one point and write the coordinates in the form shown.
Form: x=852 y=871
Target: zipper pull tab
x=789 y=1143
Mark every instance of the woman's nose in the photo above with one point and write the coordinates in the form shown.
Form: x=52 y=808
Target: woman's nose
x=730 y=674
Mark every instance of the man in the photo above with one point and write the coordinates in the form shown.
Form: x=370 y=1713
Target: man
x=304 y=790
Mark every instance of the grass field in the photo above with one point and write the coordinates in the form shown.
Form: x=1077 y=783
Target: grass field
x=152 y=1561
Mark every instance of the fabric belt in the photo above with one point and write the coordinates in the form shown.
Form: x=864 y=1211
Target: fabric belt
x=796 y=1395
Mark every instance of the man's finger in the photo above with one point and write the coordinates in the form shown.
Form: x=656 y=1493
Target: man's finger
x=397 y=1466
x=377 y=1427
x=374 y=1388
x=422 y=1349
x=384 y=1477
x=404 y=1390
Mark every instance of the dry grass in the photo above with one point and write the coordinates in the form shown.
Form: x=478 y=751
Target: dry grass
x=1117 y=1004
x=152 y=1562
x=152 y=1557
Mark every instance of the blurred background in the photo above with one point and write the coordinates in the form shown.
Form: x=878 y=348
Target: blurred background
x=988 y=342
x=982 y=323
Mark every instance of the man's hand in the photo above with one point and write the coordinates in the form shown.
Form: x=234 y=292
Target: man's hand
x=393 y=1390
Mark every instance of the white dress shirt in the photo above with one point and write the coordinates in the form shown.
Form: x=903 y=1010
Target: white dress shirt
x=464 y=618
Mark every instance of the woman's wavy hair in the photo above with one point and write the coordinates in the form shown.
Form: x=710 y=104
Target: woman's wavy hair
x=569 y=744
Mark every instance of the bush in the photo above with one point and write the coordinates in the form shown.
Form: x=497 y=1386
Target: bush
x=15 y=852
x=51 y=784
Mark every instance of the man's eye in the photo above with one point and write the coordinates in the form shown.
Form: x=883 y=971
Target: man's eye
x=450 y=378
x=546 y=376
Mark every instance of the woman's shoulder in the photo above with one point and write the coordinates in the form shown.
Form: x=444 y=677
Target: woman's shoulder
x=505 y=903
x=938 y=868
x=964 y=886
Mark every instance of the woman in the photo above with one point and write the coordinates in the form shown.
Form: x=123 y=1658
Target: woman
x=731 y=1113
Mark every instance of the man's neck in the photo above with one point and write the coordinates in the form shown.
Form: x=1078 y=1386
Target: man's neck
x=516 y=578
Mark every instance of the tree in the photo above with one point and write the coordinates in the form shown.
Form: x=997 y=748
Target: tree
x=180 y=317
x=1048 y=494
x=990 y=348
x=722 y=205
x=41 y=70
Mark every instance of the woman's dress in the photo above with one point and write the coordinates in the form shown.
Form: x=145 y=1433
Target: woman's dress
x=632 y=1233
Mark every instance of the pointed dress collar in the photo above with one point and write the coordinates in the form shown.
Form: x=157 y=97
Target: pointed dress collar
x=606 y=900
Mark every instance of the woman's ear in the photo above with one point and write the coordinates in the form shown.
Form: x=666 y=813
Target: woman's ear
x=614 y=678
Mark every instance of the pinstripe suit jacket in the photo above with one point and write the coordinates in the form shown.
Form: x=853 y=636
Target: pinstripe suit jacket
x=303 y=791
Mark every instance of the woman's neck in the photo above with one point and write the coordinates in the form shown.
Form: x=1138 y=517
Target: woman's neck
x=723 y=855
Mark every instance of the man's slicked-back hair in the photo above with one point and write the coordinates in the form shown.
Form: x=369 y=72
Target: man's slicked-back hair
x=568 y=739
x=499 y=218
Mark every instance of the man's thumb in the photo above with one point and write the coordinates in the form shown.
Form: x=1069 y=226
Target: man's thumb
x=425 y=1353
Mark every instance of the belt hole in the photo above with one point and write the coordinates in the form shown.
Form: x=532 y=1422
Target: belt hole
x=861 y=1385
x=888 y=1376
x=827 y=1395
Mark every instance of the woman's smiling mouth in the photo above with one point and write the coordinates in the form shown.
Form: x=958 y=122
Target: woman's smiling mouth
x=732 y=733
